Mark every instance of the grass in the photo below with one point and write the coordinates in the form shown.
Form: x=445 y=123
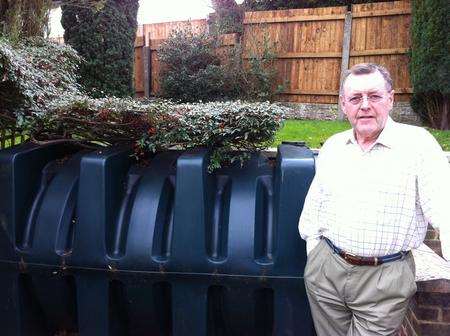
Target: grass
x=315 y=132
x=443 y=137
x=7 y=143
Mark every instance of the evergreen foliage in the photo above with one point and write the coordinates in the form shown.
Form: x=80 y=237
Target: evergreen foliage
x=193 y=71
x=104 y=36
x=39 y=96
x=227 y=17
x=261 y=5
x=430 y=61
x=34 y=72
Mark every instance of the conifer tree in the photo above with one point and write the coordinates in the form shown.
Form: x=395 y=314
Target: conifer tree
x=430 y=61
x=103 y=33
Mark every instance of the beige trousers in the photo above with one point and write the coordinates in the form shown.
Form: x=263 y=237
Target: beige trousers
x=353 y=300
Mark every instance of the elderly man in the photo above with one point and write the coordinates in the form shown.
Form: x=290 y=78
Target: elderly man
x=376 y=188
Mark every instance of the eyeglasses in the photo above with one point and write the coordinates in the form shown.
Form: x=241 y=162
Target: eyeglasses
x=373 y=98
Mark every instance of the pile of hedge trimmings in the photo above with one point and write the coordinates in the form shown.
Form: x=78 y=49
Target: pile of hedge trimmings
x=39 y=94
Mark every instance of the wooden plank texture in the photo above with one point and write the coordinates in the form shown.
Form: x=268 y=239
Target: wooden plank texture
x=394 y=51
x=146 y=64
x=384 y=40
x=345 y=53
x=163 y=30
x=139 y=41
x=305 y=55
x=299 y=18
x=383 y=13
x=315 y=93
x=138 y=71
x=309 y=45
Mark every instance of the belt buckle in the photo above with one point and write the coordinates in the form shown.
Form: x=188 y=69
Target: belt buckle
x=357 y=260
x=351 y=256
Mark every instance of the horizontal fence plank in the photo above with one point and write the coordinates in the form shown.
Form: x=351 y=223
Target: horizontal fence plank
x=394 y=51
x=163 y=30
x=385 y=12
x=315 y=93
x=335 y=92
x=295 y=18
x=310 y=55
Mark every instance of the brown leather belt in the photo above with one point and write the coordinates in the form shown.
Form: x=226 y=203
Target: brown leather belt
x=365 y=261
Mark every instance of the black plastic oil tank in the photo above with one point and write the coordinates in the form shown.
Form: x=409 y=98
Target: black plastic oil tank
x=93 y=244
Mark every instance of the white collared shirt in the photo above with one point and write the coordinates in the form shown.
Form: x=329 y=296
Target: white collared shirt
x=379 y=202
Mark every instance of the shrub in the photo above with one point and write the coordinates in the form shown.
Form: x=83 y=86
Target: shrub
x=192 y=69
x=430 y=61
x=34 y=72
x=104 y=36
x=40 y=96
x=260 y=72
x=228 y=129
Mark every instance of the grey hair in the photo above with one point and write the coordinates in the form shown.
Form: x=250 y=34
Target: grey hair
x=365 y=69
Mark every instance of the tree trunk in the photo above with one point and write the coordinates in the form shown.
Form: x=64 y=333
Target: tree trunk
x=24 y=18
x=445 y=118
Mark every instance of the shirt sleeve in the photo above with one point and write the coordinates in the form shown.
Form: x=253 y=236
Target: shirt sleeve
x=433 y=185
x=308 y=226
x=308 y=223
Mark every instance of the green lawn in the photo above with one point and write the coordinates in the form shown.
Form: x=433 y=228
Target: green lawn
x=443 y=137
x=315 y=132
x=7 y=143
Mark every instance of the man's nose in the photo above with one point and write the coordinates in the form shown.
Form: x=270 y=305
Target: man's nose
x=364 y=102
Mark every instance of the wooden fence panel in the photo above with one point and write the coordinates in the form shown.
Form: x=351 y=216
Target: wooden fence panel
x=309 y=46
x=155 y=66
x=162 y=30
x=380 y=34
x=139 y=78
x=226 y=44
x=309 y=43
x=153 y=35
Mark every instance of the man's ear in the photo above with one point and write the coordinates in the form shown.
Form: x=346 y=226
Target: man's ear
x=391 y=98
x=392 y=93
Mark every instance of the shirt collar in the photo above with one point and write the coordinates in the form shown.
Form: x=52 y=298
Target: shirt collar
x=386 y=137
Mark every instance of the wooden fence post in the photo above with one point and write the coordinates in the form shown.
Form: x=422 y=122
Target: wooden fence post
x=345 y=53
x=147 y=64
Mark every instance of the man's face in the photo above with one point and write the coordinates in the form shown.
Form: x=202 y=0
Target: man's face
x=367 y=104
